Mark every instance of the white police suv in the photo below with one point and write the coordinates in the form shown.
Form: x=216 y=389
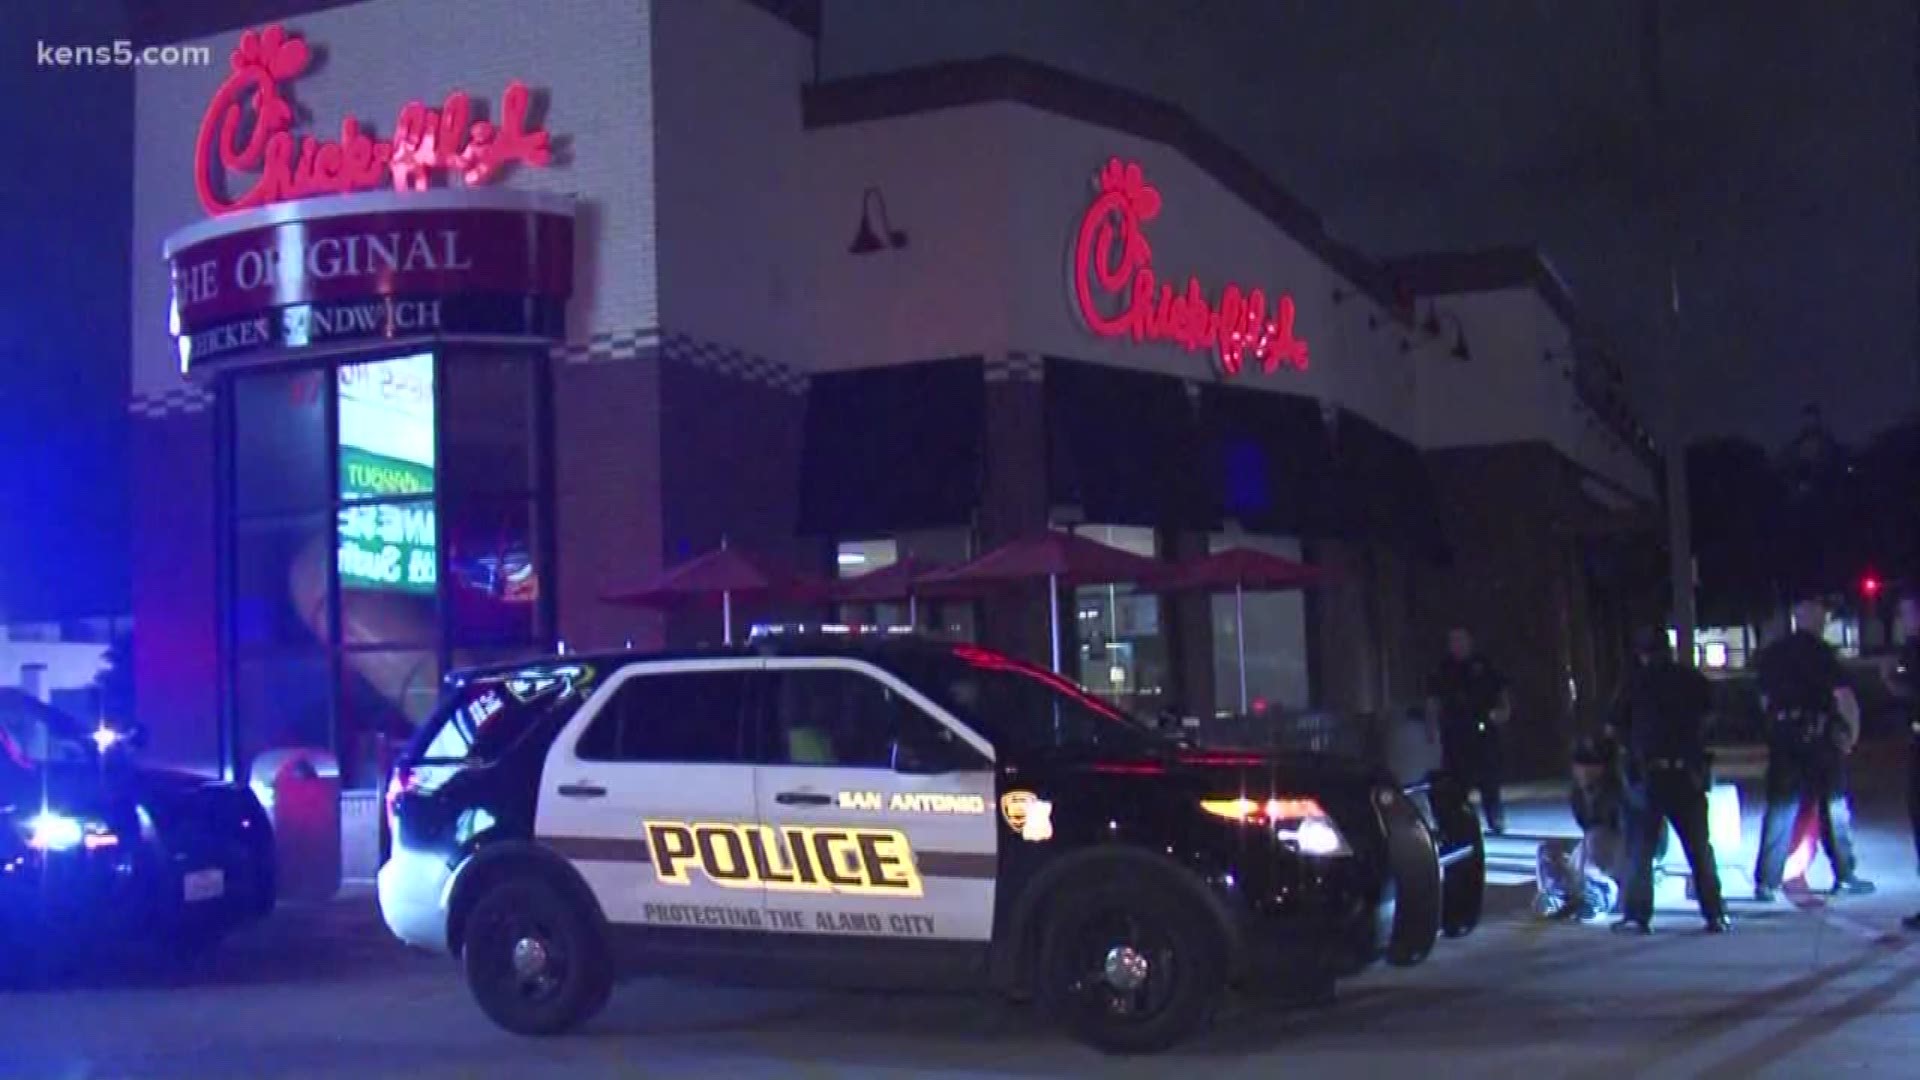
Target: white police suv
x=873 y=812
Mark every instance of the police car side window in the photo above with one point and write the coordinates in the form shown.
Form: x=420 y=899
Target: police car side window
x=688 y=717
x=845 y=719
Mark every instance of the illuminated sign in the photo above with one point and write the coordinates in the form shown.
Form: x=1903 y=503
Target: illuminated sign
x=500 y=264
x=789 y=858
x=912 y=802
x=1118 y=295
x=386 y=451
x=248 y=128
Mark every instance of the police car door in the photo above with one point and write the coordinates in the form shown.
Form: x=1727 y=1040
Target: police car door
x=882 y=806
x=648 y=790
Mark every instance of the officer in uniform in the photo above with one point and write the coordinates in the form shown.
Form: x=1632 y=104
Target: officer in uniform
x=1813 y=720
x=1661 y=716
x=1467 y=704
x=1906 y=682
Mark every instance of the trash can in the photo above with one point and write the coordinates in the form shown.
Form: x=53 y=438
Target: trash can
x=300 y=790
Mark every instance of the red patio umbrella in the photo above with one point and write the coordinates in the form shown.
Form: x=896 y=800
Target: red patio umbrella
x=898 y=580
x=1056 y=556
x=1242 y=569
x=726 y=572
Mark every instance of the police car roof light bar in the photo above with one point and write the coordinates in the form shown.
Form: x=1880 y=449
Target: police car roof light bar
x=765 y=630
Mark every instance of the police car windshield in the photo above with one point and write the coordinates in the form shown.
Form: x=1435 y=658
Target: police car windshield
x=1026 y=708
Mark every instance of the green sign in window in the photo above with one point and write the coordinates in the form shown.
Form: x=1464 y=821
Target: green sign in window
x=386 y=452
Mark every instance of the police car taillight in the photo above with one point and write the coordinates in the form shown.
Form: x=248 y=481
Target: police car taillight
x=1300 y=823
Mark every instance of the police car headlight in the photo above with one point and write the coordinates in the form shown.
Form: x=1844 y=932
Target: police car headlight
x=1301 y=824
x=1316 y=836
x=50 y=831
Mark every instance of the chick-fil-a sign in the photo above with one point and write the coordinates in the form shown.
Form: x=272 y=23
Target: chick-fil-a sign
x=1119 y=295
x=248 y=128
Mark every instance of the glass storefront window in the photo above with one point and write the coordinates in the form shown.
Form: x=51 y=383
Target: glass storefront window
x=857 y=557
x=384 y=695
x=347 y=611
x=951 y=620
x=1120 y=642
x=386 y=428
x=493 y=586
x=282 y=702
x=279 y=596
x=388 y=558
x=280 y=435
x=490 y=450
x=1276 y=629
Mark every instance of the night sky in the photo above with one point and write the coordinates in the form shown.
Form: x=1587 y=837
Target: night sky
x=1408 y=126
x=68 y=213
x=1417 y=126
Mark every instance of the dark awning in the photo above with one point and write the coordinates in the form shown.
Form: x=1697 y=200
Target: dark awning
x=1269 y=462
x=892 y=449
x=1388 y=492
x=1122 y=445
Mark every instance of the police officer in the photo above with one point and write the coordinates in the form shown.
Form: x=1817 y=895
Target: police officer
x=1661 y=716
x=1467 y=705
x=1813 y=720
x=1906 y=682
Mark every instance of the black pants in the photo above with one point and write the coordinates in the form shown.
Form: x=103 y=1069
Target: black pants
x=1793 y=775
x=1678 y=796
x=1472 y=757
x=1913 y=795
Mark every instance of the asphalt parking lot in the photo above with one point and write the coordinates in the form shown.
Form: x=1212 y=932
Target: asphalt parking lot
x=1802 y=987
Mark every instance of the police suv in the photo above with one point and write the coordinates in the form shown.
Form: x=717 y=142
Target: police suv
x=856 y=811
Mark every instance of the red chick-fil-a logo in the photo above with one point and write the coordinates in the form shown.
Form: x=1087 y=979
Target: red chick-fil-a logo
x=1119 y=296
x=248 y=128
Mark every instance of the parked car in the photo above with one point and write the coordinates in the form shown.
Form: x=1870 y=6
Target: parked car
x=839 y=811
x=93 y=845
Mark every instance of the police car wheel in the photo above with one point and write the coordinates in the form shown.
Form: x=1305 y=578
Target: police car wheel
x=1129 y=968
x=532 y=961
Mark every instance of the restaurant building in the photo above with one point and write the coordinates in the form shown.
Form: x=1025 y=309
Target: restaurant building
x=420 y=377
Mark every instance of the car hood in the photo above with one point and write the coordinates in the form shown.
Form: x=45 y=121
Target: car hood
x=114 y=790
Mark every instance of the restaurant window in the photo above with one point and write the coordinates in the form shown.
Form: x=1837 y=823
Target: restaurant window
x=383 y=519
x=951 y=620
x=1276 y=629
x=1120 y=639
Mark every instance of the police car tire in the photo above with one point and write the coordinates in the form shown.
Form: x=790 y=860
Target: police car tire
x=588 y=981
x=1200 y=965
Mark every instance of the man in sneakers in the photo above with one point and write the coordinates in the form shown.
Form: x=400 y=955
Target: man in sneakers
x=1662 y=718
x=1813 y=721
x=1906 y=682
x=1467 y=705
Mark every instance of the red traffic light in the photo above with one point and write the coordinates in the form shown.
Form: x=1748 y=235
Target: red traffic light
x=1870 y=586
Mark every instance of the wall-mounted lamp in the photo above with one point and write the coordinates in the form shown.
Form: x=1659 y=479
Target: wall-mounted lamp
x=1434 y=327
x=874 y=226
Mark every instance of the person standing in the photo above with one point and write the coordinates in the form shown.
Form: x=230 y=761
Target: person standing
x=1813 y=721
x=1662 y=717
x=1467 y=705
x=1906 y=682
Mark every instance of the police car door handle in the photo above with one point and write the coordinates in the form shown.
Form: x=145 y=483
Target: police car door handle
x=802 y=798
x=582 y=791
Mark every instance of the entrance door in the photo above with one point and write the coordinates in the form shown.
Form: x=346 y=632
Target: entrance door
x=649 y=792
x=882 y=807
